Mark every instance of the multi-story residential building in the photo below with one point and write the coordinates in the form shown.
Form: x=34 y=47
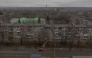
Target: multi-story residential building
x=41 y=31
x=19 y=30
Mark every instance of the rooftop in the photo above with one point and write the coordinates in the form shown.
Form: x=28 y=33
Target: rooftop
x=24 y=19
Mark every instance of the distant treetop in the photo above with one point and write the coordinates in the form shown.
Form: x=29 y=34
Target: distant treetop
x=1 y=13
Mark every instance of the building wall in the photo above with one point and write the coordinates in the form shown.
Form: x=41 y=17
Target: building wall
x=33 y=33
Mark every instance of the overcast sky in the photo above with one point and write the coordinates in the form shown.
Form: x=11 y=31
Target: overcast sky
x=42 y=3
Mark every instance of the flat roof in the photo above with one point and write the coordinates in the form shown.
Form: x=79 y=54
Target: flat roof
x=45 y=25
x=24 y=19
x=80 y=25
x=82 y=56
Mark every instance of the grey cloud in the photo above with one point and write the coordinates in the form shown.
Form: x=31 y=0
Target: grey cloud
x=83 y=1
x=42 y=3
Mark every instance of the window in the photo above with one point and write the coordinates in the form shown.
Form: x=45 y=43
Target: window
x=84 y=39
x=17 y=26
x=75 y=36
x=28 y=27
x=85 y=36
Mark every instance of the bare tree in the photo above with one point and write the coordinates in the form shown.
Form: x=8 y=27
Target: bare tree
x=2 y=35
x=88 y=41
x=72 y=38
x=48 y=20
x=1 y=13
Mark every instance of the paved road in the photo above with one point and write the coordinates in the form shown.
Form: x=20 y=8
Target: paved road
x=27 y=54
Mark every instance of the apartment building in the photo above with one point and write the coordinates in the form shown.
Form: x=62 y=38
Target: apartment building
x=43 y=32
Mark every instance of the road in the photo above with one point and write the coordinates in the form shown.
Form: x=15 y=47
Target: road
x=27 y=54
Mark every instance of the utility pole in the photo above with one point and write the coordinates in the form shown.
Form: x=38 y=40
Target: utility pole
x=52 y=27
x=54 y=51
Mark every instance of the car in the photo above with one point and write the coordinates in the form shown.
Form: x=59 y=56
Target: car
x=40 y=49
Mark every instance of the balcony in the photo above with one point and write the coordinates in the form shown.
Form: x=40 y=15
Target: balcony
x=18 y=36
x=28 y=33
x=17 y=30
x=31 y=34
x=57 y=37
x=29 y=37
x=10 y=31
x=56 y=32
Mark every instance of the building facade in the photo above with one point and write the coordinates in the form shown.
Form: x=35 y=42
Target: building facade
x=36 y=32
